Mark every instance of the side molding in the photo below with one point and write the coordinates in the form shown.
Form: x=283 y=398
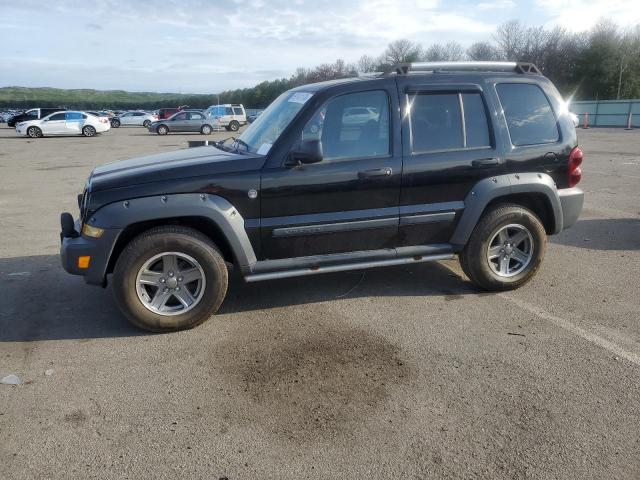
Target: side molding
x=119 y=215
x=490 y=188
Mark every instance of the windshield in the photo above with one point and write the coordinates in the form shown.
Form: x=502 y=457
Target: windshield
x=266 y=129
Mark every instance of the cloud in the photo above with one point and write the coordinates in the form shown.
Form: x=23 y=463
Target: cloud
x=496 y=5
x=580 y=15
x=93 y=26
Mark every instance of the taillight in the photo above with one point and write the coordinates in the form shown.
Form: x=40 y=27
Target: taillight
x=574 y=171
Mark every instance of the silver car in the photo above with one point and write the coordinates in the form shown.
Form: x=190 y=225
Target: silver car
x=184 y=121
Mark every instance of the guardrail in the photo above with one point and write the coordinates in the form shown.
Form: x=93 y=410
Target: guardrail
x=607 y=113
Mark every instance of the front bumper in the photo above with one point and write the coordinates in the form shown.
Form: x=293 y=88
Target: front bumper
x=99 y=249
x=571 y=200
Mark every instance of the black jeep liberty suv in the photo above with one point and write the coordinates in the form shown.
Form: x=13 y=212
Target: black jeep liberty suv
x=475 y=159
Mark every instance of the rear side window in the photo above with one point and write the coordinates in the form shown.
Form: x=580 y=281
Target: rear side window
x=71 y=116
x=237 y=111
x=528 y=113
x=438 y=122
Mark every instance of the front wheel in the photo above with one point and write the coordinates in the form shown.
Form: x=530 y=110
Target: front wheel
x=162 y=130
x=506 y=248
x=115 y=123
x=34 y=132
x=88 y=131
x=170 y=278
x=206 y=130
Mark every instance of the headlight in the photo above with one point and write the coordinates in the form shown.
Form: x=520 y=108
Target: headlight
x=91 y=231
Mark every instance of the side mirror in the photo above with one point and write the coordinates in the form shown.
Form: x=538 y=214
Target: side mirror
x=309 y=151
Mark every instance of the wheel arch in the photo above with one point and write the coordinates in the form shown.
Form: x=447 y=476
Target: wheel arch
x=212 y=215
x=203 y=225
x=535 y=191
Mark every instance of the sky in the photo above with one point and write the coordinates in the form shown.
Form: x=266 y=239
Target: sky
x=206 y=46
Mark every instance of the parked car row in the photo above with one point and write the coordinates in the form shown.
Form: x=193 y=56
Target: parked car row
x=38 y=122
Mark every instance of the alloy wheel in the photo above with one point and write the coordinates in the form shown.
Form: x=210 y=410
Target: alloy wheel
x=510 y=250
x=170 y=283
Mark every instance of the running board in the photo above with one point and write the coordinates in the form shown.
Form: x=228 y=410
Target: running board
x=299 y=272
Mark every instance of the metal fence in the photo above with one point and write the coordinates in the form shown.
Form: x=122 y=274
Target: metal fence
x=607 y=113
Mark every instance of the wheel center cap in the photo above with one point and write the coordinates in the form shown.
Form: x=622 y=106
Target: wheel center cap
x=172 y=282
x=508 y=250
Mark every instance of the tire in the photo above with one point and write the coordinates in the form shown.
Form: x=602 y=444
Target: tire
x=115 y=123
x=88 y=131
x=146 y=123
x=34 y=132
x=518 y=243
x=162 y=129
x=206 y=130
x=234 y=126
x=191 y=248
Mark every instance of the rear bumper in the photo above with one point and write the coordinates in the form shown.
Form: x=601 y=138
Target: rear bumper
x=98 y=249
x=571 y=200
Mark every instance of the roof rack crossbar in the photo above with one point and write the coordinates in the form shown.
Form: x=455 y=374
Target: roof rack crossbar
x=518 y=67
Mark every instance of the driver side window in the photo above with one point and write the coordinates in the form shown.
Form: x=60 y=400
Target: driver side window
x=354 y=125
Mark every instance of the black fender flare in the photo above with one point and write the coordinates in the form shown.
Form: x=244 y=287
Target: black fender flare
x=119 y=215
x=491 y=188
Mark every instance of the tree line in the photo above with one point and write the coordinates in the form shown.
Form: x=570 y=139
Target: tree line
x=602 y=63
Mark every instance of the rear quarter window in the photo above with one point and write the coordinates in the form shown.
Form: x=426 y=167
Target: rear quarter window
x=529 y=115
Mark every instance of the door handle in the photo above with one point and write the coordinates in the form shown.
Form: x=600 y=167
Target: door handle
x=378 y=172
x=486 y=162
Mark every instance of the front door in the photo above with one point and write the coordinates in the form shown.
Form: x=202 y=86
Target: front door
x=54 y=124
x=179 y=122
x=448 y=147
x=349 y=200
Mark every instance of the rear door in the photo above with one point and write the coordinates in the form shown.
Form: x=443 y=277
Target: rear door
x=348 y=201
x=195 y=121
x=74 y=121
x=448 y=145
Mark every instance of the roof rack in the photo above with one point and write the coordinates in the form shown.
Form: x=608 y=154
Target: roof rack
x=517 y=67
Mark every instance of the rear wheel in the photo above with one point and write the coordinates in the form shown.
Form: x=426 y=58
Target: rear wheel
x=206 y=130
x=170 y=278
x=162 y=130
x=505 y=249
x=146 y=123
x=88 y=131
x=34 y=132
x=234 y=126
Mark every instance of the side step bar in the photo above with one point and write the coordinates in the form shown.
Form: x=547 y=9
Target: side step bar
x=315 y=270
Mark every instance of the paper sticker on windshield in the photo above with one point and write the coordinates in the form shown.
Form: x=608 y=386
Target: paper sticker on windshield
x=264 y=148
x=300 y=97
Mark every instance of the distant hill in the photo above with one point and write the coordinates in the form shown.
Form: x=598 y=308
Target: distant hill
x=95 y=99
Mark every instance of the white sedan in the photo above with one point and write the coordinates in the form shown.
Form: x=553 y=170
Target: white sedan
x=137 y=118
x=64 y=123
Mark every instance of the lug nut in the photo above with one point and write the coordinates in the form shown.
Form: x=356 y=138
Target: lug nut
x=165 y=290
x=177 y=289
x=162 y=280
x=171 y=274
x=180 y=279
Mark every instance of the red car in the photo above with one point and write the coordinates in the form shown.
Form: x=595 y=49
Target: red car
x=164 y=113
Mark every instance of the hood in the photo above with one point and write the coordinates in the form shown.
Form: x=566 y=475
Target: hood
x=175 y=165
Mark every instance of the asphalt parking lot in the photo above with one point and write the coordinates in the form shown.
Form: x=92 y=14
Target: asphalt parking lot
x=404 y=372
